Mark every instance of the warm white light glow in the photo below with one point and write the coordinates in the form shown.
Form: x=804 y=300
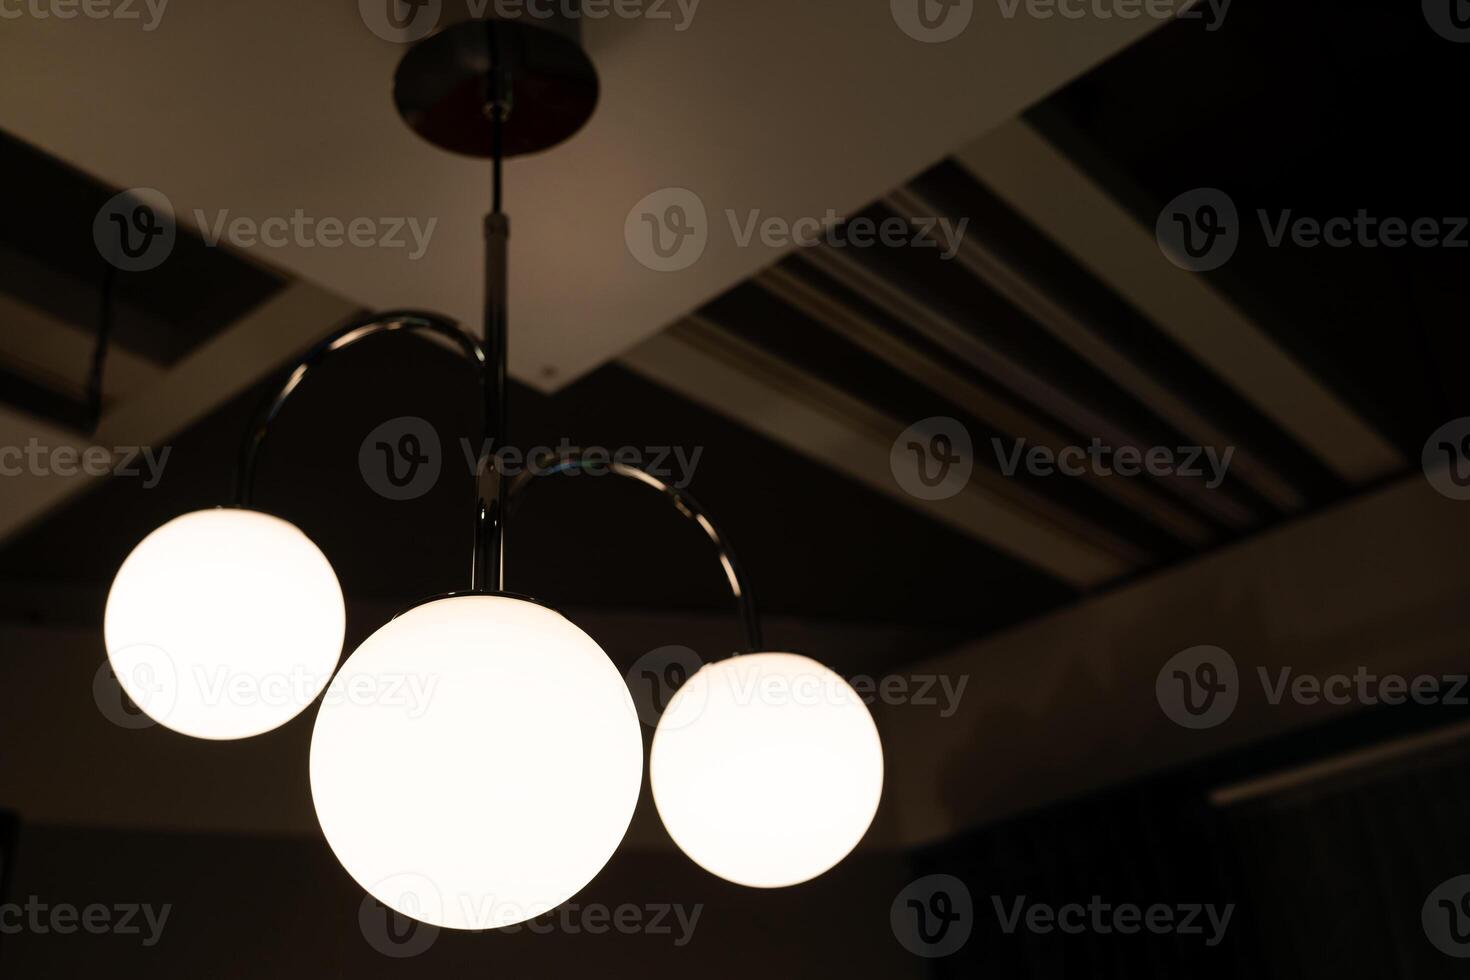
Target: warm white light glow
x=224 y=623
x=766 y=769
x=476 y=762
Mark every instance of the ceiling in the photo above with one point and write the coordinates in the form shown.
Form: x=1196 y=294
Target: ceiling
x=785 y=109
x=790 y=371
x=1051 y=323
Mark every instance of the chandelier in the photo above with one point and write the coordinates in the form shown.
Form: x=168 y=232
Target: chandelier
x=512 y=787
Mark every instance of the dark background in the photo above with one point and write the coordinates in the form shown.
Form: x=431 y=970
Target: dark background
x=1323 y=108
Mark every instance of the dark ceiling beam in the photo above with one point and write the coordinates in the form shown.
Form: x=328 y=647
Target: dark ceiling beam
x=1063 y=202
x=966 y=343
x=829 y=311
x=698 y=360
x=1040 y=304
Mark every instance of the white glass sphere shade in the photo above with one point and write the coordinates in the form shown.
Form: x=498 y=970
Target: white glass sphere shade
x=224 y=623
x=476 y=762
x=766 y=769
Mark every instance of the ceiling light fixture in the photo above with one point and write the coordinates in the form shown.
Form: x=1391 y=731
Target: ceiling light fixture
x=508 y=789
x=766 y=769
x=224 y=623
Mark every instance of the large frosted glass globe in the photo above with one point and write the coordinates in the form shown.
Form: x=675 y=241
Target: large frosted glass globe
x=476 y=762
x=766 y=769
x=224 y=623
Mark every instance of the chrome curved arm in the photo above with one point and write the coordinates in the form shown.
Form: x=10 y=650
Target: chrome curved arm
x=685 y=504
x=487 y=568
x=489 y=526
x=495 y=495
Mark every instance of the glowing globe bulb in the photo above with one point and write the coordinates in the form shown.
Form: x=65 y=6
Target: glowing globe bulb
x=476 y=762
x=766 y=769
x=224 y=623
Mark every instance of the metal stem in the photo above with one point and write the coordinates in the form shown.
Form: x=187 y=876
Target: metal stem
x=494 y=492
x=488 y=574
x=487 y=569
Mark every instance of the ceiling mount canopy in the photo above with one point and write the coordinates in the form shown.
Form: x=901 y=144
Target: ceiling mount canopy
x=441 y=84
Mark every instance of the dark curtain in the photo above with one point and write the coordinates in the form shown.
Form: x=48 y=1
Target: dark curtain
x=1328 y=873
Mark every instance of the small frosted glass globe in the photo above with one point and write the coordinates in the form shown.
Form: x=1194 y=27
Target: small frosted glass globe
x=224 y=623
x=766 y=769
x=476 y=762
